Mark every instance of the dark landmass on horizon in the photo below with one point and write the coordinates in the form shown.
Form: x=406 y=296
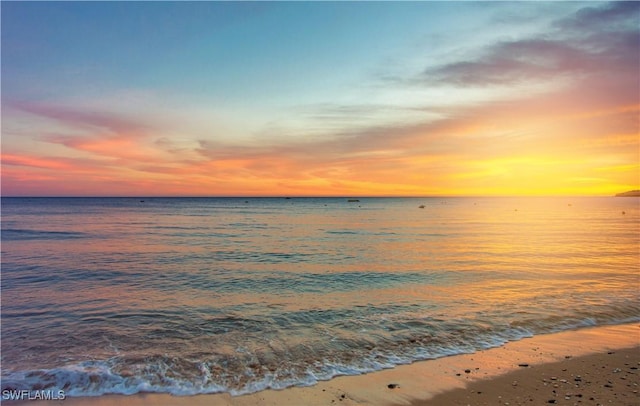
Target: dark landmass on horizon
x=631 y=193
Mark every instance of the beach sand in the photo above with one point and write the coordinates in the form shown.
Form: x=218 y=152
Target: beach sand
x=595 y=366
x=608 y=378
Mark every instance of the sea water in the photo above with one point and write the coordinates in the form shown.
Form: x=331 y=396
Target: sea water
x=205 y=295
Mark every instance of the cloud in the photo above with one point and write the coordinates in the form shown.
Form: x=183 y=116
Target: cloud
x=81 y=118
x=509 y=62
x=37 y=162
x=592 y=41
x=99 y=135
x=609 y=17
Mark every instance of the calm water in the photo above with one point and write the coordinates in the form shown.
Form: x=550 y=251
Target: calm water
x=115 y=295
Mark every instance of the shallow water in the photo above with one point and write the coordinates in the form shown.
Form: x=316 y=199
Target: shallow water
x=199 y=295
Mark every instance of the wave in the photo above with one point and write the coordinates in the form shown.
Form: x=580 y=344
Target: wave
x=16 y=234
x=244 y=373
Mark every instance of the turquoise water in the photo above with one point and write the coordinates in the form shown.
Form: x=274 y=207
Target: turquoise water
x=204 y=295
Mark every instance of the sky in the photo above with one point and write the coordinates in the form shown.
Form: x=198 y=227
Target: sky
x=320 y=98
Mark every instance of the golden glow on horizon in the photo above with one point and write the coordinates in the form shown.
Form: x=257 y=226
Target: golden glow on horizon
x=527 y=175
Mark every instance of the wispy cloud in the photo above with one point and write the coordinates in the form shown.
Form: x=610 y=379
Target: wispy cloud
x=81 y=117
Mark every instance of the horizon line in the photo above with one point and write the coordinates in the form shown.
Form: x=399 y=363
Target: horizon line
x=291 y=196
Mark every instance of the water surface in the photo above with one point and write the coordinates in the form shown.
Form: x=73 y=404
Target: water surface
x=202 y=295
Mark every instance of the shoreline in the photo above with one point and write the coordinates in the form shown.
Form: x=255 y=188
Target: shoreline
x=457 y=379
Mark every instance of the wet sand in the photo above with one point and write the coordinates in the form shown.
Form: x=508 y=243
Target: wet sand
x=596 y=366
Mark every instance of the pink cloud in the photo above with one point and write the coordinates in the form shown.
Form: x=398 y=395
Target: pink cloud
x=36 y=162
x=112 y=123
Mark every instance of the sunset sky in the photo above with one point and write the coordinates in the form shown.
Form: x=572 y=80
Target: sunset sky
x=315 y=98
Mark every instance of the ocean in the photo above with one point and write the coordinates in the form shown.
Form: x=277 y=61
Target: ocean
x=237 y=295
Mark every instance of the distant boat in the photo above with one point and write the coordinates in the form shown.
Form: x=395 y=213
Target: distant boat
x=353 y=200
x=631 y=193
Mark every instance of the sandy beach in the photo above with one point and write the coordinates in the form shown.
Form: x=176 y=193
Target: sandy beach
x=604 y=378
x=588 y=366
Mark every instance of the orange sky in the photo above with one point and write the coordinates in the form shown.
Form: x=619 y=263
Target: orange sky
x=547 y=107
